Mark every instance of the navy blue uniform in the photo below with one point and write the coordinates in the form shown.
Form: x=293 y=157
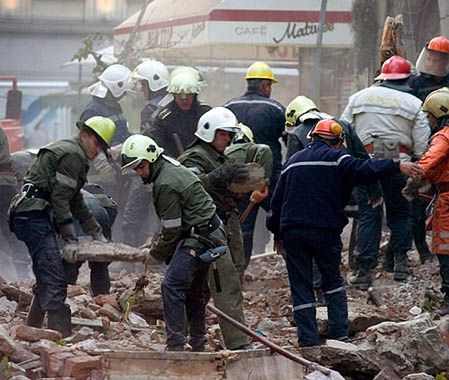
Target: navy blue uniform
x=310 y=220
x=266 y=119
x=111 y=109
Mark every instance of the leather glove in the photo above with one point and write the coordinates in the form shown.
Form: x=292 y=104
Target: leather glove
x=230 y=171
x=278 y=247
x=68 y=233
x=91 y=227
x=150 y=259
x=69 y=252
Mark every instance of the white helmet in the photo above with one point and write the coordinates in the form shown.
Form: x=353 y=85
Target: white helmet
x=216 y=118
x=184 y=83
x=115 y=78
x=154 y=72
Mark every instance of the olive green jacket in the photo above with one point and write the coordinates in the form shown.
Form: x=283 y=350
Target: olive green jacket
x=60 y=170
x=181 y=202
x=6 y=174
x=202 y=158
x=252 y=152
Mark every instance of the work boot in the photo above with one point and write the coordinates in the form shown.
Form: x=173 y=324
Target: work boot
x=246 y=346
x=60 y=320
x=36 y=314
x=362 y=279
x=444 y=309
x=401 y=270
x=425 y=254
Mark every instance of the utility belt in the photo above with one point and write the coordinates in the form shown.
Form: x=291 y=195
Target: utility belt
x=208 y=227
x=386 y=149
x=443 y=187
x=30 y=191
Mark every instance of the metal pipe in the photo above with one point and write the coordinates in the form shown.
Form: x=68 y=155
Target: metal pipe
x=274 y=347
x=319 y=43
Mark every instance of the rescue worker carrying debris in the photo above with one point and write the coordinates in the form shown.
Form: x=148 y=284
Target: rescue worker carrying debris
x=310 y=220
x=175 y=124
x=245 y=150
x=435 y=163
x=205 y=158
x=391 y=124
x=153 y=79
x=112 y=85
x=192 y=236
x=48 y=203
x=364 y=205
x=266 y=119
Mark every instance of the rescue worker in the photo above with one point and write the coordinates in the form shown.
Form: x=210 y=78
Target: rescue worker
x=112 y=85
x=190 y=228
x=205 y=157
x=433 y=68
x=364 y=205
x=433 y=73
x=266 y=119
x=244 y=150
x=175 y=124
x=49 y=202
x=8 y=188
x=310 y=220
x=391 y=124
x=436 y=168
x=153 y=78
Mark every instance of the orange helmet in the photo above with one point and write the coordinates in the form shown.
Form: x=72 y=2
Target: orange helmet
x=394 y=68
x=328 y=129
x=440 y=44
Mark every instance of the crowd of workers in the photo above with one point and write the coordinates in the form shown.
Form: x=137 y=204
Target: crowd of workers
x=183 y=171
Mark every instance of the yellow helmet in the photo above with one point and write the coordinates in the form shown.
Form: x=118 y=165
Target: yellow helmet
x=137 y=148
x=244 y=135
x=103 y=127
x=298 y=107
x=437 y=103
x=260 y=70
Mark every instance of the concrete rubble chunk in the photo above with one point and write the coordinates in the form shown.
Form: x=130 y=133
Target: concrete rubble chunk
x=110 y=299
x=111 y=312
x=387 y=373
x=53 y=360
x=7 y=345
x=418 y=376
x=80 y=367
x=32 y=334
x=41 y=345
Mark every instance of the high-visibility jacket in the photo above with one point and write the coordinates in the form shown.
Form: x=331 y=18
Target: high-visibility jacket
x=435 y=162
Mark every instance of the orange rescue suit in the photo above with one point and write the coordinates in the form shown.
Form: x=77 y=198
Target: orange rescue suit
x=435 y=163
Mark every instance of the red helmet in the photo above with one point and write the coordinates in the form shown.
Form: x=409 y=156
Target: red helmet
x=328 y=129
x=395 y=67
x=440 y=44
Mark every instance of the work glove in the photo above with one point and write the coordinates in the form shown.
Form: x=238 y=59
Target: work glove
x=69 y=252
x=68 y=233
x=230 y=171
x=149 y=258
x=91 y=227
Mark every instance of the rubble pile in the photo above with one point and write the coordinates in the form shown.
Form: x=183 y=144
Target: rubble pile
x=401 y=337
